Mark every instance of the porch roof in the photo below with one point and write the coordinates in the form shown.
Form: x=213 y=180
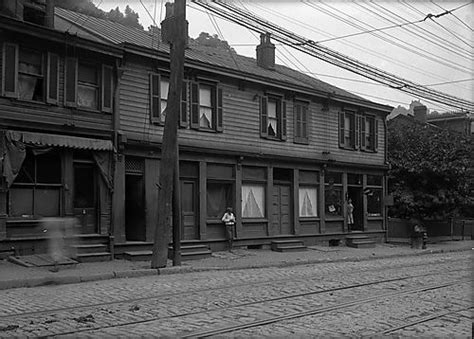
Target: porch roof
x=45 y=139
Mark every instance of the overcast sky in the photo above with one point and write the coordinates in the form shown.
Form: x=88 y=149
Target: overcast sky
x=430 y=53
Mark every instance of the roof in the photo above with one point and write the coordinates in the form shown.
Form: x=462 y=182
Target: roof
x=112 y=32
x=449 y=116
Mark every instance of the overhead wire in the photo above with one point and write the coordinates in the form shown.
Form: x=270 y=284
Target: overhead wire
x=352 y=44
x=454 y=15
x=258 y=24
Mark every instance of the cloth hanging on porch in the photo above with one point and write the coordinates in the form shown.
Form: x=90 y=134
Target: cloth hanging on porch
x=12 y=155
x=104 y=162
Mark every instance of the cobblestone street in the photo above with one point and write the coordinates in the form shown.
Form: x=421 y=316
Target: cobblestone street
x=409 y=296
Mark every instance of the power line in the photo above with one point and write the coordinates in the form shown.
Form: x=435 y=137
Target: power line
x=454 y=15
x=349 y=43
x=251 y=21
x=450 y=82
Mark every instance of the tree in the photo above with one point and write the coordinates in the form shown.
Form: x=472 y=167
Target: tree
x=429 y=171
x=205 y=39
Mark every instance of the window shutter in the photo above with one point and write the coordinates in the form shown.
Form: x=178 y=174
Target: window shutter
x=219 y=122
x=296 y=112
x=341 y=129
x=283 y=120
x=358 y=120
x=155 y=99
x=52 y=79
x=70 y=83
x=304 y=123
x=362 y=133
x=107 y=88
x=194 y=105
x=183 y=120
x=352 y=130
x=10 y=70
x=263 y=117
x=376 y=135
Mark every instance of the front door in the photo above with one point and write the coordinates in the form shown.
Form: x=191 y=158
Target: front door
x=281 y=214
x=189 y=216
x=85 y=197
x=355 y=193
x=135 y=229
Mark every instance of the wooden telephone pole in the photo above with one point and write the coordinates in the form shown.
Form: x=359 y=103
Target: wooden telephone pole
x=168 y=196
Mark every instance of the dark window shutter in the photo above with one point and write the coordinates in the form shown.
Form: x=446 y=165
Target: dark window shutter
x=10 y=70
x=352 y=130
x=376 y=135
x=341 y=129
x=52 y=80
x=70 y=83
x=183 y=120
x=296 y=112
x=362 y=133
x=358 y=120
x=194 y=105
x=263 y=117
x=304 y=123
x=219 y=121
x=107 y=88
x=155 y=104
x=283 y=120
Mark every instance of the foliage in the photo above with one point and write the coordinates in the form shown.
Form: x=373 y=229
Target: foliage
x=128 y=18
x=429 y=171
x=205 y=39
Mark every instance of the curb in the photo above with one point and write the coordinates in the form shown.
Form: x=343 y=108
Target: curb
x=70 y=279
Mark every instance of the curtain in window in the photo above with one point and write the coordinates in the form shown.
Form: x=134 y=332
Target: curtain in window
x=253 y=198
x=216 y=200
x=308 y=202
x=12 y=153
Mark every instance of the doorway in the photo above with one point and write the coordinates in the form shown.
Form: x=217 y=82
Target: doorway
x=281 y=209
x=85 y=196
x=355 y=193
x=189 y=225
x=135 y=229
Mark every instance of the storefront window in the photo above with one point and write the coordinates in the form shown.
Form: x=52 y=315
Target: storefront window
x=374 y=202
x=333 y=194
x=308 y=201
x=219 y=197
x=253 y=201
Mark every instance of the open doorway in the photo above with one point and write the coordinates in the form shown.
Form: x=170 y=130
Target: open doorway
x=135 y=229
x=355 y=193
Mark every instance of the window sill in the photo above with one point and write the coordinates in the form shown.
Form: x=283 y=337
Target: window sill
x=347 y=148
x=253 y=220
x=301 y=142
x=203 y=129
x=334 y=218
x=309 y=219
x=273 y=139
x=368 y=151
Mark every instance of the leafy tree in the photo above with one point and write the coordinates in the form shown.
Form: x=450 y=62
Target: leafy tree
x=205 y=39
x=429 y=171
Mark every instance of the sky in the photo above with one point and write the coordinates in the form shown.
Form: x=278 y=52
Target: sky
x=437 y=52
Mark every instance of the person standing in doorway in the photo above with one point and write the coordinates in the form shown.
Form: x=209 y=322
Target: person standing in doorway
x=350 y=214
x=229 y=221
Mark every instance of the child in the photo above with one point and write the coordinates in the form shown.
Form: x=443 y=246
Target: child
x=229 y=221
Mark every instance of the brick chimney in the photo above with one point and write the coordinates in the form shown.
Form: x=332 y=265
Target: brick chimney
x=266 y=52
x=12 y=8
x=167 y=25
x=49 y=17
x=420 y=113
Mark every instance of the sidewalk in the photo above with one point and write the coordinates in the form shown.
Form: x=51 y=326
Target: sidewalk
x=14 y=276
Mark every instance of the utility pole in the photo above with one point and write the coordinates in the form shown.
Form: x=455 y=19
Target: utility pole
x=168 y=196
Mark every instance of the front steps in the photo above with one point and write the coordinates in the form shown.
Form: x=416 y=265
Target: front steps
x=188 y=252
x=359 y=241
x=288 y=246
x=89 y=248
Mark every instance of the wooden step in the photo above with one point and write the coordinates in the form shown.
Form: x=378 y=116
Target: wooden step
x=88 y=248
x=94 y=257
x=190 y=248
x=146 y=255
x=138 y=255
x=290 y=245
x=362 y=243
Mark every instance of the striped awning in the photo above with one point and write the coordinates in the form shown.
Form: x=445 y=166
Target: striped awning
x=45 y=139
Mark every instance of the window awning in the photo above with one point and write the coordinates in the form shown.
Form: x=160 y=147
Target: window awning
x=63 y=141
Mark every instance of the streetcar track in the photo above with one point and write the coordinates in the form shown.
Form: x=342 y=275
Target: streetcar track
x=423 y=320
x=295 y=315
x=167 y=295
x=267 y=321
x=278 y=318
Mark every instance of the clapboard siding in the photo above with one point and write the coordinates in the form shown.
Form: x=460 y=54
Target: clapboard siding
x=241 y=124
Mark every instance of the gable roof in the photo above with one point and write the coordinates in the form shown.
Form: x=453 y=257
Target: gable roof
x=112 y=32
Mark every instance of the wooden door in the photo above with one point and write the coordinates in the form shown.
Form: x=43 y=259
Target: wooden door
x=135 y=229
x=281 y=214
x=85 y=197
x=189 y=215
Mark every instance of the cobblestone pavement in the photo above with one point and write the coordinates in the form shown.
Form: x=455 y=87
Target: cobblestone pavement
x=409 y=296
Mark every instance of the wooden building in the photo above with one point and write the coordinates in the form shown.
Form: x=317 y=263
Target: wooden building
x=56 y=128
x=285 y=150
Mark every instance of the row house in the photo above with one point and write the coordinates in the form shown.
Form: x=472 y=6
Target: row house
x=285 y=150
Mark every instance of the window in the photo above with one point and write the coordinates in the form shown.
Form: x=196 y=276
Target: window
x=272 y=118
x=30 y=74
x=220 y=189
x=206 y=107
x=301 y=122
x=347 y=130
x=373 y=191
x=369 y=133
x=308 y=193
x=88 y=86
x=36 y=190
x=253 y=201
x=333 y=194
